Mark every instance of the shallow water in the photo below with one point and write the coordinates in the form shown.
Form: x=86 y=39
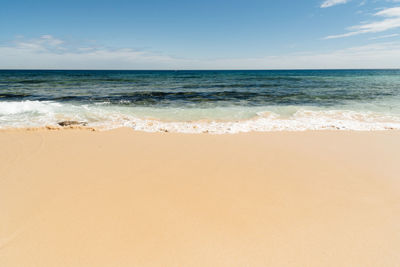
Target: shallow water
x=203 y=101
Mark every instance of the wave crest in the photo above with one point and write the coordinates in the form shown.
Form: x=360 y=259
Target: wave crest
x=44 y=113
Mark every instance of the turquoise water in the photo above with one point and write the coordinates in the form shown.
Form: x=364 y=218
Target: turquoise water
x=203 y=101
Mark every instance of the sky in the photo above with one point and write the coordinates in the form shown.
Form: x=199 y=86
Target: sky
x=207 y=34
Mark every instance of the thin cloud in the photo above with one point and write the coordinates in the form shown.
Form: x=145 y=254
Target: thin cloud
x=329 y=3
x=48 y=52
x=385 y=36
x=391 y=21
x=42 y=43
x=44 y=54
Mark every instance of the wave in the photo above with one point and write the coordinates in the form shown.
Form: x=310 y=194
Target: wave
x=206 y=96
x=17 y=114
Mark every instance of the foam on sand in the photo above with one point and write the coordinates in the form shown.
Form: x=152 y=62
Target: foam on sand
x=220 y=120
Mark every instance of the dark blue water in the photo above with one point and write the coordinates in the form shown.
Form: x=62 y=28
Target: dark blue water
x=155 y=88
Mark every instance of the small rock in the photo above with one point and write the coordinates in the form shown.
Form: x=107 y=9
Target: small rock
x=71 y=123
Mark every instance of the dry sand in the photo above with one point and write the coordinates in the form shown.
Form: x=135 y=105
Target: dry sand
x=122 y=198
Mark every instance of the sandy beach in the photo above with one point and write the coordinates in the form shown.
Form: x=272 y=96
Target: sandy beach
x=124 y=198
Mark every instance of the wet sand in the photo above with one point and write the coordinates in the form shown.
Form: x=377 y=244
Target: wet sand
x=124 y=198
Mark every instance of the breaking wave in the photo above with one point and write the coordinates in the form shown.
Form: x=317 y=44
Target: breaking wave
x=220 y=120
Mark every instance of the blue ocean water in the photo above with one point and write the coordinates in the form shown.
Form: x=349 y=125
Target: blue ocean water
x=203 y=101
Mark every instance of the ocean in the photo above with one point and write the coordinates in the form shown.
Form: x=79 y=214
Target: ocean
x=203 y=101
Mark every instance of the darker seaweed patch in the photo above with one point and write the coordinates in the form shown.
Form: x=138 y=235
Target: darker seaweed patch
x=32 y=81
x=13 y=96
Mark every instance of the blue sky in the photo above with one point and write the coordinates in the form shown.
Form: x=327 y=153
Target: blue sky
x=218 y=34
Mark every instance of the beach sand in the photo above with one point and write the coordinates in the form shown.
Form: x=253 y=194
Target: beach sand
x=124 y=198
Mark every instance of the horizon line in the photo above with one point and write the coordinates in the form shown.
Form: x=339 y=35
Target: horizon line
x=44 y=69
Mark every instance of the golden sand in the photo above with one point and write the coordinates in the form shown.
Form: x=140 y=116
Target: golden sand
x=122 y=198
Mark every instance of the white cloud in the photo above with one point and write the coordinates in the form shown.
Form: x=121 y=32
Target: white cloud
x=329 y=3
x=391 y=21
x=385 y=36
x=42 y=43
x=44 y=54
x=379 y=55
x=48 y=52
x=50 y=40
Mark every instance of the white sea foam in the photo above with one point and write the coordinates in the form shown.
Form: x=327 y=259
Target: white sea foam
x=214 y=120
x=12 y=108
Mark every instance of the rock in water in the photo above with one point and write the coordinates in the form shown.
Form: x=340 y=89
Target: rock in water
x=71 y=123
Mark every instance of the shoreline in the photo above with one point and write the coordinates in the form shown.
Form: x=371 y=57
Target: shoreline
x=128 y=198
x=216 y=119
x=52 y=128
